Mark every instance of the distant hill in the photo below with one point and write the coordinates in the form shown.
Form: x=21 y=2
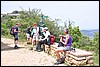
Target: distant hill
x=89 y=33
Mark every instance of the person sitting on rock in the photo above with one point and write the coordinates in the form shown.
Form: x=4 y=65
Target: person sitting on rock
x=46 y=34
x=67 y=42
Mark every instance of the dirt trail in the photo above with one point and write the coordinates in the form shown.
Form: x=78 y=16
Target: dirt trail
x=23 y=56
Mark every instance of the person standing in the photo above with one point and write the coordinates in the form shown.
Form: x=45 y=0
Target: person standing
x=35 y=33
x=28 y=34
x=16 y=31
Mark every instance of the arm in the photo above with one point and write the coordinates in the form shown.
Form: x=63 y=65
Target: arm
x=32 y=32
x=67 y=37
x=16 y=31
x=46 y=35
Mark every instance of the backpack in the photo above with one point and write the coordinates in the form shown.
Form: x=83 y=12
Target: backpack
x=60 y=44
x=12 y=30
x=52 y=38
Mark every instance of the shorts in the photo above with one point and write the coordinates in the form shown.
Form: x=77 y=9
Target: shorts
x=35 y=38
x=66 y=48
x=28 y=35
x=15 y=37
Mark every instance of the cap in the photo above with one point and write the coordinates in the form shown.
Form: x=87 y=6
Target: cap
x=46 y=28
x=66 y=30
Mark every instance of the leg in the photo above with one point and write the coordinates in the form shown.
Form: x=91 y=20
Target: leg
x=16 y=43
x=16 y=39
x=37 y=38
x=57 y=54
x=38 y=46
x=59 y=59
x=33 y=40
x=43 y=47
x=36 y=42
x=27 y=37
x=30 y=40
x=44 y=42
x=64 y=54
x=67 y=48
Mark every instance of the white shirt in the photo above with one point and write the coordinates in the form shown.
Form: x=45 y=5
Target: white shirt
x=46 y=35
x=35 y=31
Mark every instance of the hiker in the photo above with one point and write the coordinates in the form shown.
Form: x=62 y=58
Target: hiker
x=16 y=31
x=28 y=34
x=45 y=40
x=35 y=34
x=67 y=42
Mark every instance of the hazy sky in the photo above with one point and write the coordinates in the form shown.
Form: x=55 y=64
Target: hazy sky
x=85 y=14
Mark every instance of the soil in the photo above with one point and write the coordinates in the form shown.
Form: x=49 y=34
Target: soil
x=23 y=56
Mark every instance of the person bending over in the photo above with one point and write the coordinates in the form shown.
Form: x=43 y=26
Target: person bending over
x=46 y=34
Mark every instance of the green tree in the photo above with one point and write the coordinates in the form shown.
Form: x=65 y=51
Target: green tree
x=95 y=42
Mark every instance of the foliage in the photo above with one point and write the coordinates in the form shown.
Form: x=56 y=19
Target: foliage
x=95 y=42
x=27 y=19
x=31 y=16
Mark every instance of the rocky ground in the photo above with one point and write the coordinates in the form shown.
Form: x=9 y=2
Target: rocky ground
x=23 y=56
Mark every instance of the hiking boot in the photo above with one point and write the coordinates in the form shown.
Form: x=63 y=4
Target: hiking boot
x=57 y=62
x=62 y=60
x=15 y=47
x=39 y=50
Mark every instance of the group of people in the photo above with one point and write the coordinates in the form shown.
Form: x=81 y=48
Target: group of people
x=32 y=33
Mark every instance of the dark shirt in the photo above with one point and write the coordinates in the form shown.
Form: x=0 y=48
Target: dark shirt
x=16 y=33
x=28 y=30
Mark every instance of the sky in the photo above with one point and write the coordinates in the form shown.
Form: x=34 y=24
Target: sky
x=85 y=14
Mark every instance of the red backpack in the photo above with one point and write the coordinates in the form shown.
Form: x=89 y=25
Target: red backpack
x=52 y=38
